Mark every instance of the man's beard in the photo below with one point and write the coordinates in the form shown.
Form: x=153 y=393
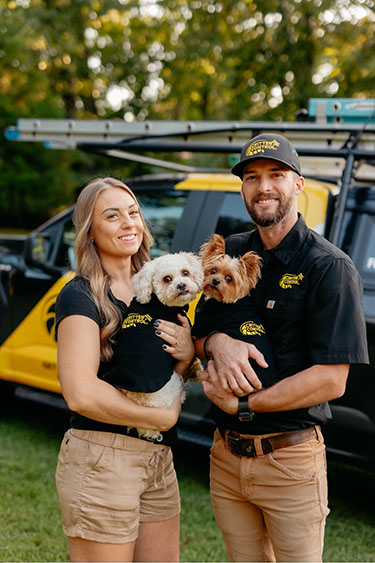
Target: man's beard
x=268 y=218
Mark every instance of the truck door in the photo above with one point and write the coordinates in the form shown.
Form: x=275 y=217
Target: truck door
x=28 y=355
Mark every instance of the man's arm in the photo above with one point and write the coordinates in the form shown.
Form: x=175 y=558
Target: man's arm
x=232 y=365
x=310 y=387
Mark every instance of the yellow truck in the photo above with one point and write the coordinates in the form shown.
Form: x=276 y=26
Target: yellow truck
x=184 y=207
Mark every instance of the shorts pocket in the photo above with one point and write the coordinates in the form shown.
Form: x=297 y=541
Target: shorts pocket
x=97 y=457
x=62 y=460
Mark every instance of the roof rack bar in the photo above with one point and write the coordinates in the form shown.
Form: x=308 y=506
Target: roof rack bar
x=146 y=160
x=115 y=127
x=111 y=131
x=149 y=145
x=342 y=200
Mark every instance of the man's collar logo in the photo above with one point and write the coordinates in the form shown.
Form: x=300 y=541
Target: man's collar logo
x=288 y=280
x=262 y=145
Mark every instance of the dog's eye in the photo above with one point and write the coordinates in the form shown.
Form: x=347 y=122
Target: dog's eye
x=228 y=279
x=213 y=271
x=167 y=279
x=185 y=272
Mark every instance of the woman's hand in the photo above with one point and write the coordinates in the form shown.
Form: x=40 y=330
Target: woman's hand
x=178 y=341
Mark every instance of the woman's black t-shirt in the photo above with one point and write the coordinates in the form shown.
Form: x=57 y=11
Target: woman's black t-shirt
x=75 y=299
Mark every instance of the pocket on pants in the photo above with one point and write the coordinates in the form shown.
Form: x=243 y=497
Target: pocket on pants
x=298 y=462
x=218 y=443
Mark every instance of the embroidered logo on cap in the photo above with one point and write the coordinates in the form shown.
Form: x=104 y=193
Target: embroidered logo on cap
x=261 y=145
x=249 y=328
x=288 y=280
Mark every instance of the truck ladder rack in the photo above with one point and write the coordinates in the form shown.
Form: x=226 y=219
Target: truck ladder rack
x=333 y=151
x=193 y=136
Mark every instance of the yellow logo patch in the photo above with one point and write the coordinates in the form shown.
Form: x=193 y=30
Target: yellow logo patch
x=259 y=146
x=135 y=319
x=249 y=328
x=288 y=280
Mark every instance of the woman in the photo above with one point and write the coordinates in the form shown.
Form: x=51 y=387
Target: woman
x=118 y=493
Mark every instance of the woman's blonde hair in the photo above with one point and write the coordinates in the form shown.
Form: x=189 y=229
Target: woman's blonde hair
x=89 y=265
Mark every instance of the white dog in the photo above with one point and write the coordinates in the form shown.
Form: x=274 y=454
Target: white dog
x=163 y=288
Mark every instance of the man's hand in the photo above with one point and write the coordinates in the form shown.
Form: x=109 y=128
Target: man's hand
x=225 y=399
x=231 y=364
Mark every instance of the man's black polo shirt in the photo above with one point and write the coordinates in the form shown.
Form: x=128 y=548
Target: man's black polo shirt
x=310 y=302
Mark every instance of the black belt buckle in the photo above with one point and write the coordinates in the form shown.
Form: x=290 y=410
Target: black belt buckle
x=241 y=446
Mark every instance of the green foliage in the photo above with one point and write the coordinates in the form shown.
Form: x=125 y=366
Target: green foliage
x=167 y=59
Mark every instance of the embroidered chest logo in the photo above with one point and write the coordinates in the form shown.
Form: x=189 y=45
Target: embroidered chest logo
x=288 y=280
x=249 y=328
x=135 y=319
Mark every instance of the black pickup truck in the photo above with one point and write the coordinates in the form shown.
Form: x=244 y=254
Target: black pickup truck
x=182 y=209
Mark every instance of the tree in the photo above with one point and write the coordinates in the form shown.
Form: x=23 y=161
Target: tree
x=165 y=59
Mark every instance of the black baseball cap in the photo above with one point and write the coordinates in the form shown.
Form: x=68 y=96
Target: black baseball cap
x=271 y=147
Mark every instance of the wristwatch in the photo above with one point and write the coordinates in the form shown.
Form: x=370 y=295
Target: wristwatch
x=244 y=412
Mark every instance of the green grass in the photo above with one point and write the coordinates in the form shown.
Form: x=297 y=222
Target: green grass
x=350 y=534
x=30 y=525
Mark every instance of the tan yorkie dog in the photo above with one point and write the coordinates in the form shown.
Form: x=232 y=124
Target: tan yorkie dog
x=227 y=279
x=228 y=307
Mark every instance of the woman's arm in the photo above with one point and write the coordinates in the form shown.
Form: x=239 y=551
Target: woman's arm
x=78 y=358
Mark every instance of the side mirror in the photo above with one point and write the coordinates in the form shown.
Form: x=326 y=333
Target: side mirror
x=37 y=250
x=37 y=253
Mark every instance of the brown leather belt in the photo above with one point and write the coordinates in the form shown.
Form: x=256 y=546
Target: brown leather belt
x=244 y=445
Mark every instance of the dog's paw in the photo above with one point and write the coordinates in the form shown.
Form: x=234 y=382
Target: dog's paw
x=202 y=376
x=193 y=370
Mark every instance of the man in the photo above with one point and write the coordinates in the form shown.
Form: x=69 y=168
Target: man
x=268 y=469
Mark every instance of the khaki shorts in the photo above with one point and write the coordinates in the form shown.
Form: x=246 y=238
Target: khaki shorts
x=108 y=483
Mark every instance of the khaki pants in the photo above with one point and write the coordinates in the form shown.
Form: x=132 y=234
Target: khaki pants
x=271 y=507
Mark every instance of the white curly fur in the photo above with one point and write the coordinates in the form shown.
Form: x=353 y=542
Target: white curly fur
x=176 y=279
x=161 y=399
x=180 y=289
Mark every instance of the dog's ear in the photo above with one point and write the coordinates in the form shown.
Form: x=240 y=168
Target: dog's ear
x=251 y=262
x=143 y=282
x=215 y=246
x=195 y=265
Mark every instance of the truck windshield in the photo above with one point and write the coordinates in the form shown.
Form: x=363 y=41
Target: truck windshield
x=162 y=210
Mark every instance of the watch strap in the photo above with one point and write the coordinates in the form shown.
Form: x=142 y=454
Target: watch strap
x=244 y=412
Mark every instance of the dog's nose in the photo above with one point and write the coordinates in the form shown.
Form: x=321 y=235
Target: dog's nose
x=216 y=281
x=181 y=286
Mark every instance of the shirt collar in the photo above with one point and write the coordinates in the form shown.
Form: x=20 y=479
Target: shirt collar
x=290 y=244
